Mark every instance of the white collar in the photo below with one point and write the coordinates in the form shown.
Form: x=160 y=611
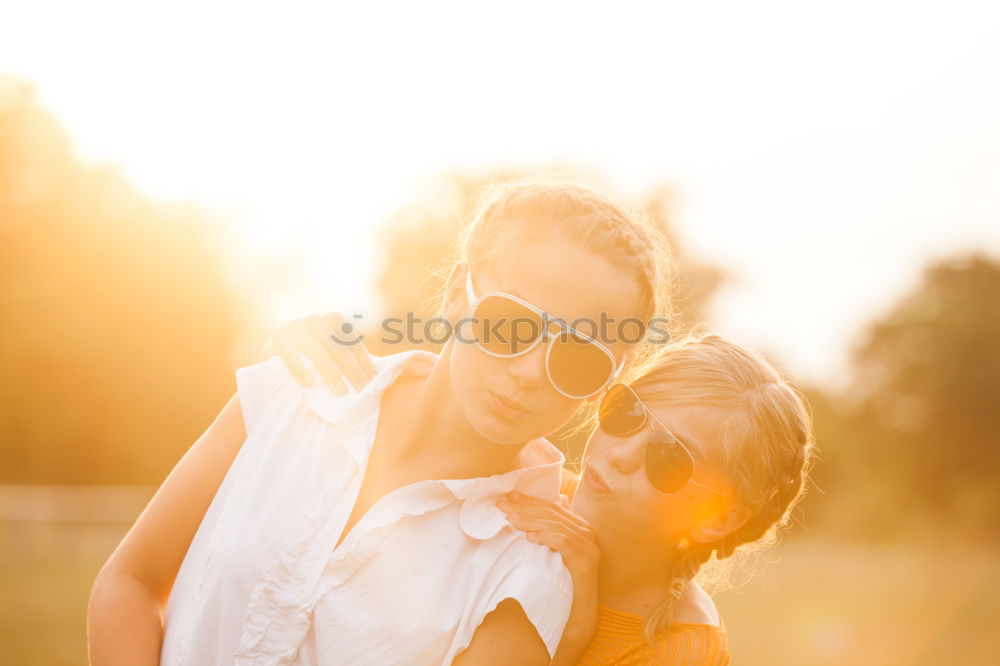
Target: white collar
x=540 y=463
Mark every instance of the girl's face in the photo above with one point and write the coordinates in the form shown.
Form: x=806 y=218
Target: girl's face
x=616 y=496
x=511 y=400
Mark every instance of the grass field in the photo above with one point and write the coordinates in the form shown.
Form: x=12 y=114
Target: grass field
x=829 y=602
x=819 y=602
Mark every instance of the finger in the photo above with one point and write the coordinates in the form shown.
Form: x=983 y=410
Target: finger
x=569 y=523
x=338 y=353
x=580 y=538
x=537 y=525
x=557 y=542
x=530 y=500
x=583 y=564
x=527 y=503
x=336 y=322
x=364 y=359
x=535 y=511
x=331 y=377
x=306 y=344
x=562 y=504
x=529 y=510
x=297 y=369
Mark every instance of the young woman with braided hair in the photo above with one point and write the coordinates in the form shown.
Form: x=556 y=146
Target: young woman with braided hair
x=307 y=527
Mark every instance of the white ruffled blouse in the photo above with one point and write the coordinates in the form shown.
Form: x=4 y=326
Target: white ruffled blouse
x=263 y=583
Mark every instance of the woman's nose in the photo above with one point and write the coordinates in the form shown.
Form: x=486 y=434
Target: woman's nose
x=528 y=370
x=626 y=454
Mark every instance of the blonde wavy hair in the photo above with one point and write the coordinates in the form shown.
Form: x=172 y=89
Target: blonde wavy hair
x=767 y=444
x=520 y=211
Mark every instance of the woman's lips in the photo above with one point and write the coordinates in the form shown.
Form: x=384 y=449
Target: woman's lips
x=595 y=481
x=507 y=408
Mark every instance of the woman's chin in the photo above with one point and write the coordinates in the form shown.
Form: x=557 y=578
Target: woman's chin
x=586 y=506
x=504 y=428
x=499 y=430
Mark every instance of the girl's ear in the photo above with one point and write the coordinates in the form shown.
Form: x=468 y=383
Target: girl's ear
x=722 y=524
x=456 y=303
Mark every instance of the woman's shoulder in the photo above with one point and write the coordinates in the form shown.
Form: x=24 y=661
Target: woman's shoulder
x=697 y=607
x=256 y=385
x=697 y=636
x=269 y=393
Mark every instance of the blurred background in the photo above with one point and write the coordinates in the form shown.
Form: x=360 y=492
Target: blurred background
x=179 y=179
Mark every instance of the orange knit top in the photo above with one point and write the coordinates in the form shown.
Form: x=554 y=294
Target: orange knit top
x=618 y=638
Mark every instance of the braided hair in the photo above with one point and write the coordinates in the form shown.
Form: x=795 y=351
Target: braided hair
x=514 y=212
x=768 y=445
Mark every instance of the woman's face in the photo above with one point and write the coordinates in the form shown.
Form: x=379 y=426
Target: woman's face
x=511 y=400
x=616 y=496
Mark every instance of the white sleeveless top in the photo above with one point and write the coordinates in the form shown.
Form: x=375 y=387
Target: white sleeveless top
x=263 y=584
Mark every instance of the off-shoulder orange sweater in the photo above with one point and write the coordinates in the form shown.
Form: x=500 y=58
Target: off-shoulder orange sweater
x=618 y=638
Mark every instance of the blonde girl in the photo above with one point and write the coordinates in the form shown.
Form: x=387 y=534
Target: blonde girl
x=705 y=453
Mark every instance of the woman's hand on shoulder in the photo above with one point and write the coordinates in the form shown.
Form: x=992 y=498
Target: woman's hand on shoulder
x=555 y=525
x=333 y=346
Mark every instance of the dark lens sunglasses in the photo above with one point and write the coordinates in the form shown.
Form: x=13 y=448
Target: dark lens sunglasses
x=577 y=365
x=669 y=462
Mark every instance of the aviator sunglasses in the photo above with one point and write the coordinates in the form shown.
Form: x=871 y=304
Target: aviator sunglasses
x=577 y=365
x=669 y=462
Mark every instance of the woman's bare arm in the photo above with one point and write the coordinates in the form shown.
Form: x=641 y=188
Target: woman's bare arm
x=506 y=636
x=125 y=615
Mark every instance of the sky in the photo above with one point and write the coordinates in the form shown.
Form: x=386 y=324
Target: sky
x=821 y=154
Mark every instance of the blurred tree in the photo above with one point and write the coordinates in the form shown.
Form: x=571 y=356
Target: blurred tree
x=696 y=281
x=916 y=439
x=116 y=322
x=930 y=376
